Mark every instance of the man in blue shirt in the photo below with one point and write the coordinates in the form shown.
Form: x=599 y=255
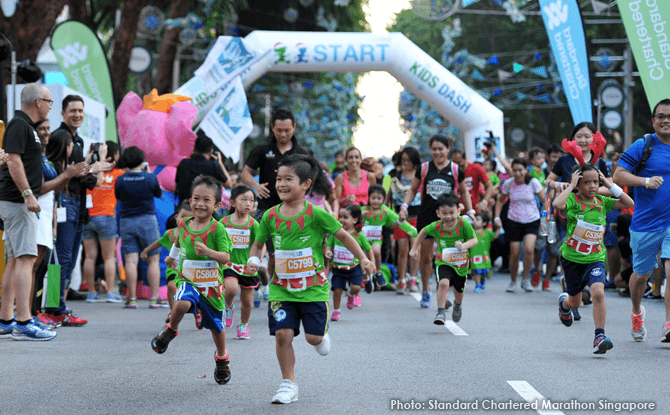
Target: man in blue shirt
x=650 y=227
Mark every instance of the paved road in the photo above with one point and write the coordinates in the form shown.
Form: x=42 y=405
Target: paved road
x=511 y=347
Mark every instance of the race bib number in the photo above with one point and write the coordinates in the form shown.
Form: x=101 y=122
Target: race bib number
x=342 y=255
x=201 y=273
x=588 y=233
x=455 y=257
x=239 y=237
x=298 y=263
x=373 y=233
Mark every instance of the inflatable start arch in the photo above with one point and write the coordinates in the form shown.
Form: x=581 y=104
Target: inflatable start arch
x=394 y=53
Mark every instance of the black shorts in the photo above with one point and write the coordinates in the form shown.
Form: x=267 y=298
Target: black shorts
x=243 y=280
x=340 y=277
x=289 y=314
x=455 y=280
x=515 y=231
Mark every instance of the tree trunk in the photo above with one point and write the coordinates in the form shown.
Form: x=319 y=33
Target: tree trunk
x=168 y=49
x=124 y=39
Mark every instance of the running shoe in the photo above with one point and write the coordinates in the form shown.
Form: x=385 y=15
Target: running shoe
x=586 y=296
x=380 y=280
x=535 y=279
x=198 y=320
x=512 y=287
x=158 y=303
x=447 y=304
x=93 y=298
x=651 y=296
x=565 y=317
x=413 y=287
x=131 y=303
x=222 y=369
x=666 y=333
x=230 y=311
x=351 y=302
x=114 y=298
x=41 y=317
x=287 y=392
x=457 y=313
x=323 y=348
x=638 y=331
x=42 y=325
x=335 y=316
x=369 y=285
x=601 y=344
x=576 y=315
x=258 y=297
x=478 y=288
x=425 y=299
x=162 y=340
x=58 y=319
x=6 y=330
x=483 y=284
x=439 y=319
x=400 y=287
x=243 y=331
x=31 y=332
x=357 y=300
x=74 y=321
x=525 y=285
x=546 y=285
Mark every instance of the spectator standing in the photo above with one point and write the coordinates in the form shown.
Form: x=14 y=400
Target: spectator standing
x=202 y=161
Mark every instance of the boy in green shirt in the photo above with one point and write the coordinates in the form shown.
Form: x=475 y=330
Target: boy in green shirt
x=454 y=237
x=480 y=254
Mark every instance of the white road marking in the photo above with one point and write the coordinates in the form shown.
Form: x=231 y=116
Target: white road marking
x=454 y=329
x=530 y=395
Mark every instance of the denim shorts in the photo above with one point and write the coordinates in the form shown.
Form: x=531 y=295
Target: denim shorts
x=646 y=246
x=138 y=232
x=101 y=227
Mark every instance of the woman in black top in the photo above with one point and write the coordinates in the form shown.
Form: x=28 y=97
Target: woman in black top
x=435 y=178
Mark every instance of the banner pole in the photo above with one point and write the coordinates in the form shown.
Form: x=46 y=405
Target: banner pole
x=628 y=93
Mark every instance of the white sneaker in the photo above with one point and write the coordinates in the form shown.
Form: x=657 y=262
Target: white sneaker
x=638 y=332
x=511 y=288
x=525 y=285
x=287 y=392
x=323 y=348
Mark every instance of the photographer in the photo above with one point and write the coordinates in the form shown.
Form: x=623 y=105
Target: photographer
x=202 y=161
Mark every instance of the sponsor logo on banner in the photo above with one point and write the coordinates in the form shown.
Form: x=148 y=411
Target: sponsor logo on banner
x=72 y=54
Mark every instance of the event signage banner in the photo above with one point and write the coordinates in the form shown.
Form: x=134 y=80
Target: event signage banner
x=647 y=24
x=229 y=123
x=84 y=64
x=563 y=22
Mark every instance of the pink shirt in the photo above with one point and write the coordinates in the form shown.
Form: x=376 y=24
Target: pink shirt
x=361 y=192
x=522 y=205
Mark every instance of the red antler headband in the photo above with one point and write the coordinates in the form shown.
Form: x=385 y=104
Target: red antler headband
x=597 y=146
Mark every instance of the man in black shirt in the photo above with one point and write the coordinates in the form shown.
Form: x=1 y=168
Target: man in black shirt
x=202 y=161
x=20 y=184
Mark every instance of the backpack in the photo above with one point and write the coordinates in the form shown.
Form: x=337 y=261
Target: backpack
x=648 y=148
x=424 y=171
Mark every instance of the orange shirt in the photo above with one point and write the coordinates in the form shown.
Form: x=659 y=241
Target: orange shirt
x=104 y=201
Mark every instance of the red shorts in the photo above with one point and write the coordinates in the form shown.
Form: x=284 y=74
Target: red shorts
x=399 y=233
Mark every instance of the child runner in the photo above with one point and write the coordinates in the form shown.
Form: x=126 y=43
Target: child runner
x=203 y=246
x=346 y=267
x=583 y=251
x=454 y=236
x=242 y=229
x=167 y=240
x=299 y=288
x=480 y=262
x=374 y=218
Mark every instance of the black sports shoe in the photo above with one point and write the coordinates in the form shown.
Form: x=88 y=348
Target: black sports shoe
x=565 y=317
x=369 y=285
x=576 y=315
x=380 y=280
x=161 y=341
x=222 y=370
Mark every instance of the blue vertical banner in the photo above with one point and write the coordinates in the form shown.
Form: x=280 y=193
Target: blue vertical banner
x=568 y=44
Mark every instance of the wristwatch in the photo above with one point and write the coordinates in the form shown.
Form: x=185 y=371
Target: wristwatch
x=27 y=192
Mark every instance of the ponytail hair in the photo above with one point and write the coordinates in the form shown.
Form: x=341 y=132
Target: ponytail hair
x=519 y=160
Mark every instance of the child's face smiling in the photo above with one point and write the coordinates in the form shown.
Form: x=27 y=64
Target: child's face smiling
x=348 y=222
x=288 y=185
x=376 y=200
x=203 y=202
x=448 y=215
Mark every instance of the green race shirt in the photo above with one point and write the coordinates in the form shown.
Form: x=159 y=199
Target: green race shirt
x=586 y=226
x=538 y=173
x=241 y=238
x=341 y=255
x=167 y=240
x=299 y=266
x=374 y=222
x=494 y=178
x=446 y=238
x=214 y=237
x=480 y=254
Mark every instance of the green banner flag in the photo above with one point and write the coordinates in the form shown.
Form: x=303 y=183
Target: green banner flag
x=647 y=24
x=84 y=63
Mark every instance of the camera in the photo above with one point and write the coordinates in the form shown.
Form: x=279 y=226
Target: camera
x=491 y=142
x=95 y=148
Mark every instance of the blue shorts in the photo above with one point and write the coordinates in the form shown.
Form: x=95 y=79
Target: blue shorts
x=288 y=314
x=646 y=246
x=484 y=272
x=211 y=318
x=341 y=276
x=102 y=227
x=138 y=232
x=611 y=239
x=578 y=276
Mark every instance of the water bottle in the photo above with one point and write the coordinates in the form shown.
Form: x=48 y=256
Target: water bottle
x=544 y=229
x=552 y=234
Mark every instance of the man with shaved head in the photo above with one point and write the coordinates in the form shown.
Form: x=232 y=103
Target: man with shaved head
x=20 y=184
